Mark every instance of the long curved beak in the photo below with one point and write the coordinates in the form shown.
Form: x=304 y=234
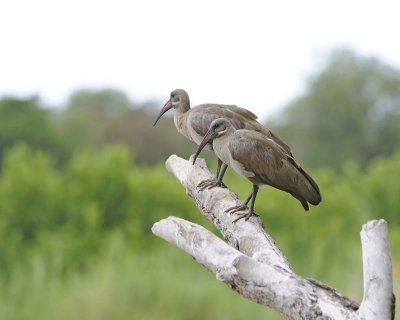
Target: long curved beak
x=166 y=107
x=206 y=139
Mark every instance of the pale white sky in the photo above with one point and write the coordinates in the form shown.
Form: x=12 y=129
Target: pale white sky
x=255 y=54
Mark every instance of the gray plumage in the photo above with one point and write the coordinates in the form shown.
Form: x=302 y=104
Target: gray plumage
x=194 y=122
x=262 y=161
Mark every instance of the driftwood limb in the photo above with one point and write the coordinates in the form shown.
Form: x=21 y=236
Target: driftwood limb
x=379 y=300
x=251 y=263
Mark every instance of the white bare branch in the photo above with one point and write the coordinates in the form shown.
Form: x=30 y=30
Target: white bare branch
x=378 y=300
x=251 y=263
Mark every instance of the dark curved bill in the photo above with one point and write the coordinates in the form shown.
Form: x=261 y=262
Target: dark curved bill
x=206 y=139
x=164 y=109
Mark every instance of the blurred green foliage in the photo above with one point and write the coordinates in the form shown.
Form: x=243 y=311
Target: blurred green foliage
x=94 y=119
x=350 y=110
x=80 y=237
x=23 y=120
x=81 y=186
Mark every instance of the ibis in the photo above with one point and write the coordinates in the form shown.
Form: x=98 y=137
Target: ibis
x=260 y=159
x=194 y=122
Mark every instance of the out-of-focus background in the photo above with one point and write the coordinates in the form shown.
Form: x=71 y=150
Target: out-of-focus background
x=82 y=176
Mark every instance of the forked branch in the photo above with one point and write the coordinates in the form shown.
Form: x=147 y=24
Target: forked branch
x=251 y=263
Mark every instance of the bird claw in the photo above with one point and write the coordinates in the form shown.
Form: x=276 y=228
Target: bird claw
x=210 y=183
x=236 y=208
x=246 y=215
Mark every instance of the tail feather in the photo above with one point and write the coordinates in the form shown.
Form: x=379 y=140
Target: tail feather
x=313 y=184
x=303 y=203
x=316 y=197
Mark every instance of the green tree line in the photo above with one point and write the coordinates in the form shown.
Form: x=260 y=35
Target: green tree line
x=350 y=110
x=90 y=120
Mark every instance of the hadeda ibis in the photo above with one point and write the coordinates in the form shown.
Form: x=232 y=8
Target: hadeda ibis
x=261 y=160
x=194 y=122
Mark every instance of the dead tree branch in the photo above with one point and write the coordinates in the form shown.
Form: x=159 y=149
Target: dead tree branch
x=251 y=263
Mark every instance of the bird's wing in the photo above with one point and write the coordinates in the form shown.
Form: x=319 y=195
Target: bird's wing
x=279 y=141
x=308 y=177
x=272 y=165
x=258 y=154
x=200 y=121
x=256 y=126
x=201 y=116
x=241 y=111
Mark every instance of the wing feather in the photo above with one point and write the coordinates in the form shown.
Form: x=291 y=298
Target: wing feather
x=257 y=154
x=204 y=114
x=272 y=165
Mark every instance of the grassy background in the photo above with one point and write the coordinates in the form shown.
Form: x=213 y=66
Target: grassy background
x=76 y=243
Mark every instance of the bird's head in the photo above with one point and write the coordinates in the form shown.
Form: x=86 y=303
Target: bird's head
x=179 y=100
x=218 y=128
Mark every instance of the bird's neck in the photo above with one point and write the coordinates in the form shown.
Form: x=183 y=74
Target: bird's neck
x=180 y=121
x=220 y=147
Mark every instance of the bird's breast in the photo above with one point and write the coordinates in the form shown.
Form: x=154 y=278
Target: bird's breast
x=221 y=150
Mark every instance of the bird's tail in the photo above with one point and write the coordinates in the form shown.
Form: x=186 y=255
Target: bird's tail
x=313 y=195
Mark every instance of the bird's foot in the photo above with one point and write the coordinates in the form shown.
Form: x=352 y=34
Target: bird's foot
x=237 y=208
x=210 y=183
x=246 y=215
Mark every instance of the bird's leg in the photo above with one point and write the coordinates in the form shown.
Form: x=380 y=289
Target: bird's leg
x=217 y=175
x=220 y=164
x=218 y=167
x=211 y=183
x=240 y=206
x=250 y=211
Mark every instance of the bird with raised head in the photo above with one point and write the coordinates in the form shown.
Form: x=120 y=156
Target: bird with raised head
x=262 y=161
x=194 y=122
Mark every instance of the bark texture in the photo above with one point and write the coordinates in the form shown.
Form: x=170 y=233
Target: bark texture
x=250 y=262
